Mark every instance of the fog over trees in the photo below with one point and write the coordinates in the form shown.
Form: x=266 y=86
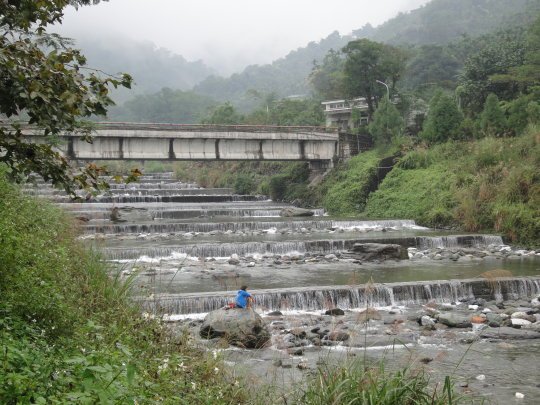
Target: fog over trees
x=435 y=39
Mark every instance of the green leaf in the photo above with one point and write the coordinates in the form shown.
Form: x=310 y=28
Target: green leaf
x=98 y=369
x=130 y=373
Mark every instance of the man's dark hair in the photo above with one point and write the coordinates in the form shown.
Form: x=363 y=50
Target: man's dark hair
x=244 y=287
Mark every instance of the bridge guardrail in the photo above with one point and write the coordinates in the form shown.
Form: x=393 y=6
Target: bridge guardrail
x=214 y=127
x=200 y=127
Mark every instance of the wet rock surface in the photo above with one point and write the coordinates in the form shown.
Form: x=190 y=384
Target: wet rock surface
x=377 y=251
x=238 y=326
x=296 y=212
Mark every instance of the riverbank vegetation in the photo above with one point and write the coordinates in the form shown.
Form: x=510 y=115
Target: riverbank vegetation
x=69 y=333
x=488 y=185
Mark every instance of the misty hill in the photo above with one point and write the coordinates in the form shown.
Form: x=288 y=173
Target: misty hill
x=442 y=21
x=152 y=68
x=284 y=77
x=438 y=22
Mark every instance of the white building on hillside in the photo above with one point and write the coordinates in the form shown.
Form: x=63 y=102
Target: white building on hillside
x=339 y=113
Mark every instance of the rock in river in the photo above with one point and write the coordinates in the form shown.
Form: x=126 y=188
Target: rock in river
x=241 y=327
x=130 y=214
x=505 y=333
x=296 y=212
x=377 y=251
x=454 y=320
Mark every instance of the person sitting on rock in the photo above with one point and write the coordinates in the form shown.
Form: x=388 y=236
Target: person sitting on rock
x=243 y=298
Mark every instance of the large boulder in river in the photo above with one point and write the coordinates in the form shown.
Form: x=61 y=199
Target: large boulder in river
x=296 y=212
x=378 y=251
x=130 y=214
x=454 y=320
x=240 y=327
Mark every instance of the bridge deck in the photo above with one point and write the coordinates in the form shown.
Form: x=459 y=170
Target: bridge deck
x=155 y=141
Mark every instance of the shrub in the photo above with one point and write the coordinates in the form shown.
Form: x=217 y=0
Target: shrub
x=353 y=384
x=244 y=184
x=291 y=184
x=492 y=120
x=416 y=159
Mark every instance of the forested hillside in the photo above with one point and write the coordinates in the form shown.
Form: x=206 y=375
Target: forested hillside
x=152 y=68
x=284 y=77
x=439 y=22
x=442 y=21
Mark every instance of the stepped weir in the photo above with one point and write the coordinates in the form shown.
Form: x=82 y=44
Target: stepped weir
x=351 y=297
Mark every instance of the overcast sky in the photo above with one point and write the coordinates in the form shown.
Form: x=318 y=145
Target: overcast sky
x=228 y=35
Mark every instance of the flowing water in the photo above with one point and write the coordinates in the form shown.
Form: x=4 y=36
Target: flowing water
x=190 y=248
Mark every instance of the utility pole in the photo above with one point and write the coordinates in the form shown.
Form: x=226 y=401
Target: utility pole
x=387 y=102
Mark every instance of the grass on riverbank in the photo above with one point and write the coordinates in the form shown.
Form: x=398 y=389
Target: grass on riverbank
x=492 y=184
x=345 y=190
x=68 y=332
x=353 y=384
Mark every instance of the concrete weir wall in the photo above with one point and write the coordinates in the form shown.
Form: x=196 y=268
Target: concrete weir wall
x=201 y=142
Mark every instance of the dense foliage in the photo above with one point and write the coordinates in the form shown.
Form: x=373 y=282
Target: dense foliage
x=45 y=82
x=442 y=21
x=284 y=77
x=69 y=333
x=345 y=191
x=491 y=184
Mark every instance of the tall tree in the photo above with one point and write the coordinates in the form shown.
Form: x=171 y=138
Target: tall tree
x=44 y=80
x=224 y=114
x=368 y=62
x=327 y=77
x=487 y=70
x=527 y=74
x=387 y=123
x=443 y=120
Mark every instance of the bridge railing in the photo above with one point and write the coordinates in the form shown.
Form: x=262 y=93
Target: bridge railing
x=193 y=127
x=213 y=127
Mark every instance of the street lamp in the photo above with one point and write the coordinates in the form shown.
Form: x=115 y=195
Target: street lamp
x=387 y=102
x=387 y=89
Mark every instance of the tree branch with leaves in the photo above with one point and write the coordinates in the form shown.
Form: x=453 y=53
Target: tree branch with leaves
x=44 y=82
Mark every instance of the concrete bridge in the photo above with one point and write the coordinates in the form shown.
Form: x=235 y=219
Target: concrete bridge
x=147 y=141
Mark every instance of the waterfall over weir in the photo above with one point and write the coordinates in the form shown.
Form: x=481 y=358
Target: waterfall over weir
x=294 y=246
x=351 y=297
x=200 y=198
x=294 y=225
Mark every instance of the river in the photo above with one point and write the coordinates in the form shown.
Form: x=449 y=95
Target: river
x=188 y=250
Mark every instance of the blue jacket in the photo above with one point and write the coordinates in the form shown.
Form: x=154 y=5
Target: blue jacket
x=241 y=298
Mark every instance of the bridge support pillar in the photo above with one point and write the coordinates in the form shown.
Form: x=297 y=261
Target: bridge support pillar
x=317 y=167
